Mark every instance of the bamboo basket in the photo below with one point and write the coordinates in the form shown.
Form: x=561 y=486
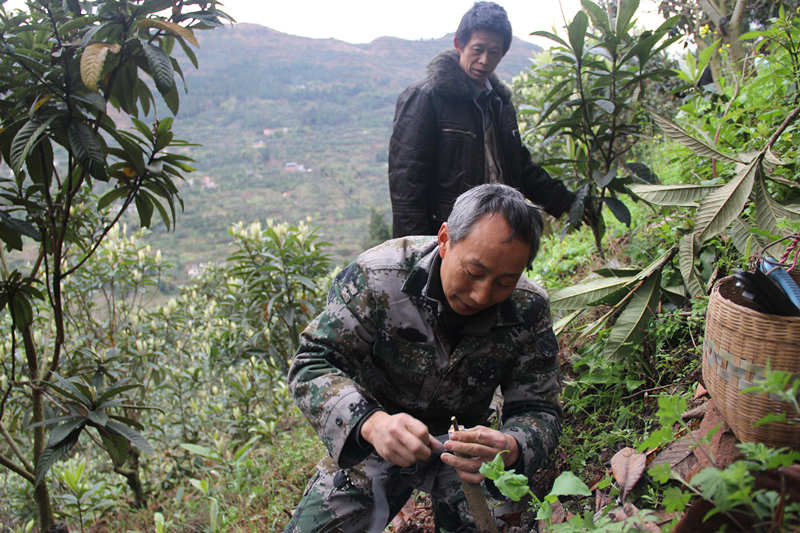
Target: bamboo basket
x=739 y=343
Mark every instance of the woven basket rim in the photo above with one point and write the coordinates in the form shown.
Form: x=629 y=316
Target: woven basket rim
x=739 y=344
x=758 y=315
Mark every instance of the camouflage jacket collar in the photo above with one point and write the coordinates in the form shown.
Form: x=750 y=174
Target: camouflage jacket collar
x=418 y=287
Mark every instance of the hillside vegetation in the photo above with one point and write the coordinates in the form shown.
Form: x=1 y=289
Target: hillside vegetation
x=263 y=99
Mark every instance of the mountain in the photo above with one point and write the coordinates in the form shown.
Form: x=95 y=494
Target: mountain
x=289 y=128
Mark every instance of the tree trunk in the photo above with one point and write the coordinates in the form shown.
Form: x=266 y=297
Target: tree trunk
x=714 y=64
x=732 y=37
x=133 y=479
x=41 y=495
x=727 y=23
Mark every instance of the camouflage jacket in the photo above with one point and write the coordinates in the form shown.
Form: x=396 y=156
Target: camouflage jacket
x=379 y=344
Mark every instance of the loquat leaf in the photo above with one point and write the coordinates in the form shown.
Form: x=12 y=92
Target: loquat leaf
x=92 y=61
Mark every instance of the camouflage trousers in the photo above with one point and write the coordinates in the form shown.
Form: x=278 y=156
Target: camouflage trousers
x=366 y=497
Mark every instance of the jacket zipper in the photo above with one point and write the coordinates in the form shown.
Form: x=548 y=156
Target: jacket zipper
x=463 y=132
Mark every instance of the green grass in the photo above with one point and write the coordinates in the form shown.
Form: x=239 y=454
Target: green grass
x=256 y=496
x=291 y=461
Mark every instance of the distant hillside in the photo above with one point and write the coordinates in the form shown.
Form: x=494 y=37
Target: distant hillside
x=292 y=127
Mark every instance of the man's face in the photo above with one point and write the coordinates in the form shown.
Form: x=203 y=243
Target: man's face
x=483 y=268
x=481 y=55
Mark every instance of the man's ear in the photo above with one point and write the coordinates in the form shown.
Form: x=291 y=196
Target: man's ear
x=442 y=239
x=455 y=43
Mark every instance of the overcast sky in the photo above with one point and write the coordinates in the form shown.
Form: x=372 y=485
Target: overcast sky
x=361 y=21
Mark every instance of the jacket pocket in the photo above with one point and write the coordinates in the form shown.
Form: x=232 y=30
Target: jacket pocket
x=405 y=364
x=456 y=131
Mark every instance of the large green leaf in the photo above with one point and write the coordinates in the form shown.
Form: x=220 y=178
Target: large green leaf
x=98 y=417
x=684 y=195
x=626 y=9
x=132 y=435
x=647 y=44
x=577 y=33
x=111 y=196
x=154 y=6
x=691 y=278
x=130 y=421
x=598 y=15
x=18 y=226
x=40 y=163
x=26 y=138
x=118 y=388
x=554 y=103
x=143 y=129
x=51 y=454
x=163 y=212
x=164 y=135
x=145 y=97
x=635 y=318
x=7 y=133
x=617 y=272
x=576 y=210
x=619 y=209
x=562 y=323
x=720 y=207
x=598 y=226
x=602 y=180
x=69 y=389
x=704 y=57
x=568 y=484
x=642 y=172
x=123 y=94
x=678 y=134
x=11 y=237
x=588 y=293
x=202 y=451
x=160 y=67
x=166 y=190
x=21 y=311
x=551 y=36
x=656 y=265
x=172 y=99
x=62 y=431
x=769 y=212
x=188 y=51
x=144 y=206
x=743 y=238
x=88 y=148
x=75 y=23
x=117 y=446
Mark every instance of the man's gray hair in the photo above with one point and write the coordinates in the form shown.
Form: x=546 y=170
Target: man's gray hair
x=524 y=218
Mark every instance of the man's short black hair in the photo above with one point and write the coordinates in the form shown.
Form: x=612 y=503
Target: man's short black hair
x=484 y=16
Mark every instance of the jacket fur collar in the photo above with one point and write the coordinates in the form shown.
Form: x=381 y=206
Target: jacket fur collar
x=446 y=76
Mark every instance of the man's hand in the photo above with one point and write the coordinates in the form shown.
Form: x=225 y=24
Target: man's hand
x=476 y=446
x=400 y=439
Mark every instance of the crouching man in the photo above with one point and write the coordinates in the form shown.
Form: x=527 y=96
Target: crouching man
x=417 y=330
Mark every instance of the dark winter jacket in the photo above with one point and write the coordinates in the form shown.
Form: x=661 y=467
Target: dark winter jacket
x=437 y=149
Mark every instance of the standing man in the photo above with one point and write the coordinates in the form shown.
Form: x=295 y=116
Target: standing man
x=458 y=128
x=415 y=331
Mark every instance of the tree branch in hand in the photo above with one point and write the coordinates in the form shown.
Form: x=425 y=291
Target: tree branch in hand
x=484 y=520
